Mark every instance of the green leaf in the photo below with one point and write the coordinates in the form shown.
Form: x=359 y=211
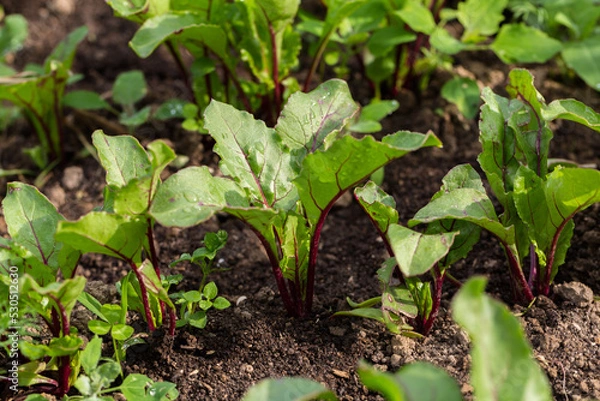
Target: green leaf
x=43 y=298
x=295 y=246
x=279 y=13
x=64 y=52
x=385 y=40
x=379 y=206
x=480 y=18
x=134 y=198
x=210 y=290
x=128 y=8
x=337 y=11
x=172 y=108
x=92 y=304
x=417 y=253
x=500 y=154
x=136 y=119
x=83 y=384
x=108 y=372
x=308 y=119
x=417 y=381
x=121 y=332
x=288 y=389
x=198 y=319
x=122 y=157
x=65 y=345
x=519 y=43
x=464 y=93
x=90 y=356
x=193 y=195
x=142 y=388
x=12 y=34
x=156 y=30
x=85 y=100
x=325 y=175
x=367 y=313
x=100 y=232
x=251 y=154
x=129 y=88
x=547 y=205
x=161 y=155
x=465 y=204
x=417 y=16
x=99 y=327
x=444 y=42
x=112 y=313
x=31 y=221
x=503 y=366
x=212 y=36
x=583 y=58
x=378 y=109
x=192 y=296
x=574 y=110
x=221 y=303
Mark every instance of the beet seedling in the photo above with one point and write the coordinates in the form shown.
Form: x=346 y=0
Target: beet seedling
x=39 y=260
x=282 y=181
x=411 y=306
x=124 y=229
x=39 y=93
x=538 y=202
x=219 y=35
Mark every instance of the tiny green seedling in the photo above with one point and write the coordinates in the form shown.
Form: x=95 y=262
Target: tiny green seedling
x=113 y=320
x=100 y=373
x=128 y=90
x=195 y=303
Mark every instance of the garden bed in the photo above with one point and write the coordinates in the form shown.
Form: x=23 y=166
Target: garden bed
x=255 y=339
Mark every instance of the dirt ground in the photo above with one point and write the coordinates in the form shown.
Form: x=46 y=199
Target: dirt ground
x=255 y=339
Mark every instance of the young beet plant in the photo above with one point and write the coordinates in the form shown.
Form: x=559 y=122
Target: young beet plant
x=39 y=92
x=282 y=181
x=219 y=34
x=124 y=229
x=413 y=254
x=40 y=259
x=538 y=201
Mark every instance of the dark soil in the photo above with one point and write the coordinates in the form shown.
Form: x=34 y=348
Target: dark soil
x=255 y=339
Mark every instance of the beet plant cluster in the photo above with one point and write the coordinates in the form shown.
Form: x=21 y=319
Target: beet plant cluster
x=286 y=155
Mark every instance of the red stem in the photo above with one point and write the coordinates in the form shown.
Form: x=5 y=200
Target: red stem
x=144 y=294
x=438 y=283
x=62 y=325
x=283 y=290
x=523 y=292
x=544 y=287
x=154 y=259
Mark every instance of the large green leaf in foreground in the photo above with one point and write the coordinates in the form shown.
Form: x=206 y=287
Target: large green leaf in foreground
x=503 y=367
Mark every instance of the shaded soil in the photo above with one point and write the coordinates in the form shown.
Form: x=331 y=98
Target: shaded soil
x=255 y=339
